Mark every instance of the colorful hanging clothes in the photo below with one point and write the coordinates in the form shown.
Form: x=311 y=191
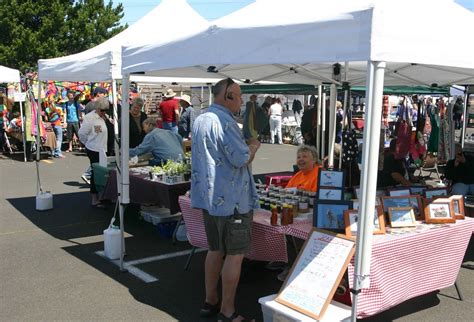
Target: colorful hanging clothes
x=434 y=136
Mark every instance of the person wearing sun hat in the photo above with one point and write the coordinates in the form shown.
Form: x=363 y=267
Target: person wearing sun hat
x=188 y=115
x=169 y=109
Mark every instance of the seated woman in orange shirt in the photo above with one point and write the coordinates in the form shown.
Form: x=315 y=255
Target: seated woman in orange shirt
x=307 y=162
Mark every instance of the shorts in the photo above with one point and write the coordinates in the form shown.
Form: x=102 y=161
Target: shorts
x=229 y=234
x=71 y=129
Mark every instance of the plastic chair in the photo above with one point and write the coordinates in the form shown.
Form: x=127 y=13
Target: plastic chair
x=196 y=232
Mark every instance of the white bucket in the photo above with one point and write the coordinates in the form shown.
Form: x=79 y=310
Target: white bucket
x=44 y=201
x=112 y=242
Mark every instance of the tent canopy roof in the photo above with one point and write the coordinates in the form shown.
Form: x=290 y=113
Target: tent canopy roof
x=302 y=45
x=103 y=62
x=9 y=75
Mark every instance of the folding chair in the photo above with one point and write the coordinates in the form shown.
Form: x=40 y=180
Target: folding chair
x=196 y=232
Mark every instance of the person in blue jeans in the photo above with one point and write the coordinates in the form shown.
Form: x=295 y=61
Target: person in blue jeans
x=73 y=115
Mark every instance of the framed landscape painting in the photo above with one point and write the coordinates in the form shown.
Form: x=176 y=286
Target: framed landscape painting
x=351 y=218
x=401 y=217
x=329 y=214
x=434 y=192
x=405 y=201
x=331 y=178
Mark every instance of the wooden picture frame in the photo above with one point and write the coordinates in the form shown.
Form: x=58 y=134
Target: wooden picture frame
x=329 y=214
x=398 y=192
x=418 y=190
x=458 y=205
x=435 y=192
x=329 y=193
x=413 y=201
x=440 y=211
x=316 y=273
x=401 y=217
x=350 y=221
x=331 y=178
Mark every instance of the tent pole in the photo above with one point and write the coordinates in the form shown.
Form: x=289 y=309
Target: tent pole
x=466 y=116
x=368 y=184
x=209 y=86
x=117 y=148
x=124 y=142
x=323 y=125
x=344 y=108
x=344 y=120
x=332 y=124
x=23 y=134
x=318 y=120
x=202 y=97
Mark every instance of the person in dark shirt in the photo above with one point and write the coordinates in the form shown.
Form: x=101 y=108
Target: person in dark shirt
x=393 y=172
x=187 y=117
x=460 y=171
x=135 y=122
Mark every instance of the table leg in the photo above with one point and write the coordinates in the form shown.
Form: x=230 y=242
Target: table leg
x=461 y=298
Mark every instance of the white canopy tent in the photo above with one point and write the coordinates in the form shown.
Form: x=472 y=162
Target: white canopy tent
x=169 y=21
x=298 y=41
x=10 y=75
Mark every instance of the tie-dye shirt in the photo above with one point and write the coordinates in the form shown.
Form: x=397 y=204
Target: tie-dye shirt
x=221 y=179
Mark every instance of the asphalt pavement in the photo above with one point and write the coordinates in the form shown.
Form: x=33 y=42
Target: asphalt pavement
x=50 y=268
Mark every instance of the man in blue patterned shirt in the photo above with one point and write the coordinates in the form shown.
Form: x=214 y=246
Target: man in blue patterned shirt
x=222 y=186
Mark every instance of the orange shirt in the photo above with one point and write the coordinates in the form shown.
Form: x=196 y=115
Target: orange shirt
x=308 y=181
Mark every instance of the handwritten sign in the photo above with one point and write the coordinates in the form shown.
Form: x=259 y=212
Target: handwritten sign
x=316 y=273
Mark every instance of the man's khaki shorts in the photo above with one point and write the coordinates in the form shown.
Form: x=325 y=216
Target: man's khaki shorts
x=229 y=234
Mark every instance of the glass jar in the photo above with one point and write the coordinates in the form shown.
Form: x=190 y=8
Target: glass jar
x=311 y=197
x=274 y=216
x=285 y=213
x=303 y=205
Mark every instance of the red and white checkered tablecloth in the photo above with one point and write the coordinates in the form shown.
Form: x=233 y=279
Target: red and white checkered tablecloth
x=268 y=242
x=406 y=266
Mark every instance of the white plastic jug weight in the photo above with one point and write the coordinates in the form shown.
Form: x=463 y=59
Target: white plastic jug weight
x=112 y=242
x=44 y=201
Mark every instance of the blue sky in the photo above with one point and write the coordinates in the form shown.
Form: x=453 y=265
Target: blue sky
x=209 y=9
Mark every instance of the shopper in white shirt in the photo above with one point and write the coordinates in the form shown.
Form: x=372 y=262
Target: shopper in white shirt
x=93 y=134
x=275 y=112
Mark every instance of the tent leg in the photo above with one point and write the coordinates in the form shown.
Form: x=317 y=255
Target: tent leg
x=124 y=144
x=461 y=298
x=368 y=184
x=188 y=261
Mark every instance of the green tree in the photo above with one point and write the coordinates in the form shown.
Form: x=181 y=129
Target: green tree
x=34 y=29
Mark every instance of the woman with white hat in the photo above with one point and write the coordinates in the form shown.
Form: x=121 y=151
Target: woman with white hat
x=169 y=109
x=186 y=120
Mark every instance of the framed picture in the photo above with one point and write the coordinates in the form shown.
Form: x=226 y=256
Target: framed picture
x=433 y=192
x=440 y=211
x=401 y=217
x=331 y=178
x=405 y=201
x=330 y=194
x=458 y=205
x=329 y=214
x=379 y=193
x=355 y=203
x=418 y=190
x=351 y=218
x=398 y=191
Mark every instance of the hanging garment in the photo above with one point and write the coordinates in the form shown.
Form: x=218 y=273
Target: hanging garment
x=434 y=136
x=350 y=147
x=296 y=106
x=403 y=129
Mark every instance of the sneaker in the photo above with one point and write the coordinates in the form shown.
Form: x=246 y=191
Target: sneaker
x=282 y=276
x=86 y=179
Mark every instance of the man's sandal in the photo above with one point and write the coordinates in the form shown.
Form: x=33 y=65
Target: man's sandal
x=209 y=310
x=222 y=318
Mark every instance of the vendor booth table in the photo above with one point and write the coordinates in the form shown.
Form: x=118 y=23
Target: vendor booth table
x=408 y=265
x=268 y=242
x=142 y=189
x=403 y=266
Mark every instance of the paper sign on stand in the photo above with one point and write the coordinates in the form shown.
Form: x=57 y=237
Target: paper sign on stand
x=316 y=273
